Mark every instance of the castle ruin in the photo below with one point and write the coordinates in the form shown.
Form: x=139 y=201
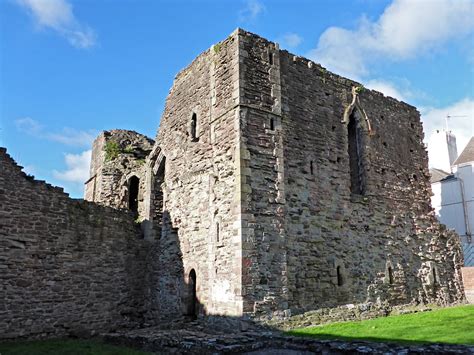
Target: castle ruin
x=273 y=187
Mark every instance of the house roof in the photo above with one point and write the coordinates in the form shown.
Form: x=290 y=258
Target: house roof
x=467 y=155
x=438 y=175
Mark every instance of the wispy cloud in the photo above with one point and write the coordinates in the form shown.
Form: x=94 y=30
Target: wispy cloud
x=77 y=170
x=405 y=29
x=291 y=40
x=58 y=16
x=67 y=136
x=461 y=124
x=385 y=87
x=251 y=10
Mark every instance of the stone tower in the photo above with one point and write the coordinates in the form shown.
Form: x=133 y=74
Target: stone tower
x=118 y=170
x=277 y=187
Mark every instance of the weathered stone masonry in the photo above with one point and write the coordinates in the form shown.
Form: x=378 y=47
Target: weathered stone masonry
x=313 y=242
x=273 y=187
x=66 y=266
x=268 y=166
x=117 y=163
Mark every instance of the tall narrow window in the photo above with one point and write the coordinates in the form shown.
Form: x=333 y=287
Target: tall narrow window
x=311 y=167
x=218 y=231
x=159 y=202
x=272 y=124
x=340 y=280
x=133 y=188
x=355 y=155
x=270 y=57
x=435 y=277
x=390 y=275
x=193 y=129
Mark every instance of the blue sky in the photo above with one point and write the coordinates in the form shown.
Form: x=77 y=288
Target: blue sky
x=69 y=69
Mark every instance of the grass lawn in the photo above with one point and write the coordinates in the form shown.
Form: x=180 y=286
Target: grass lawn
x=453 y=325
x=66 y=346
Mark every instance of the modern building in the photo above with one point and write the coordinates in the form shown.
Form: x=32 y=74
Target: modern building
x=453 y=198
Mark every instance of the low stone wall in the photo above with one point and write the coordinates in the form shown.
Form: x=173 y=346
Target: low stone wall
x=348 y=312
x=468 y=281
x=67 y=267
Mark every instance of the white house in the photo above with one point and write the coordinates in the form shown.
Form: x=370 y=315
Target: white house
x=453 y=198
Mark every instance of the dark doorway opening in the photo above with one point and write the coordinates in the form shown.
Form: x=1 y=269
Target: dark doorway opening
x=133 y=188
x=193 y=303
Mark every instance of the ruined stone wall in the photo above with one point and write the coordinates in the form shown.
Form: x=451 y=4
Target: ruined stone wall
x=66 y=266
x=311 y=242
x=117 y=156
x=199 y=190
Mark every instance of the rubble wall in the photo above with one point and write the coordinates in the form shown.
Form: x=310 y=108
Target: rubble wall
x=68 y=267
x=313 y=243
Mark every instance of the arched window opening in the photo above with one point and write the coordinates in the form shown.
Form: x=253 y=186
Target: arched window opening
x=311 y=167
x=133 y=189
x=193 y=129
x=272 y=124
x=355 y=155
x=340 y=280
x=193 y=309
x=390 y=275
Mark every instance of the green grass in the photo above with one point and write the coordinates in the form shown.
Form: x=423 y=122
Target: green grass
x=453 y=325
x=63 y=347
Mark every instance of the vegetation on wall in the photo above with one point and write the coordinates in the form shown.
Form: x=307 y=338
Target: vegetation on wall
x=112 y=150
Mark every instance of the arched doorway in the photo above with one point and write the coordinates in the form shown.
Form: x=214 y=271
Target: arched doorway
x=193 y=309
x=133 y=188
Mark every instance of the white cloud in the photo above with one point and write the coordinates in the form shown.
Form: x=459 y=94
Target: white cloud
x=461 y=123
x=386 y=88
x=77 y=170
x=291 y=40
x=406 y=29
x=73 y=137
x=58 y=16
x=250 y=12
x=67 y=136
x=28 y=125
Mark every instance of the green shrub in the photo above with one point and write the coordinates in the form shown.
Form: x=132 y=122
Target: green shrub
x=112 y=150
